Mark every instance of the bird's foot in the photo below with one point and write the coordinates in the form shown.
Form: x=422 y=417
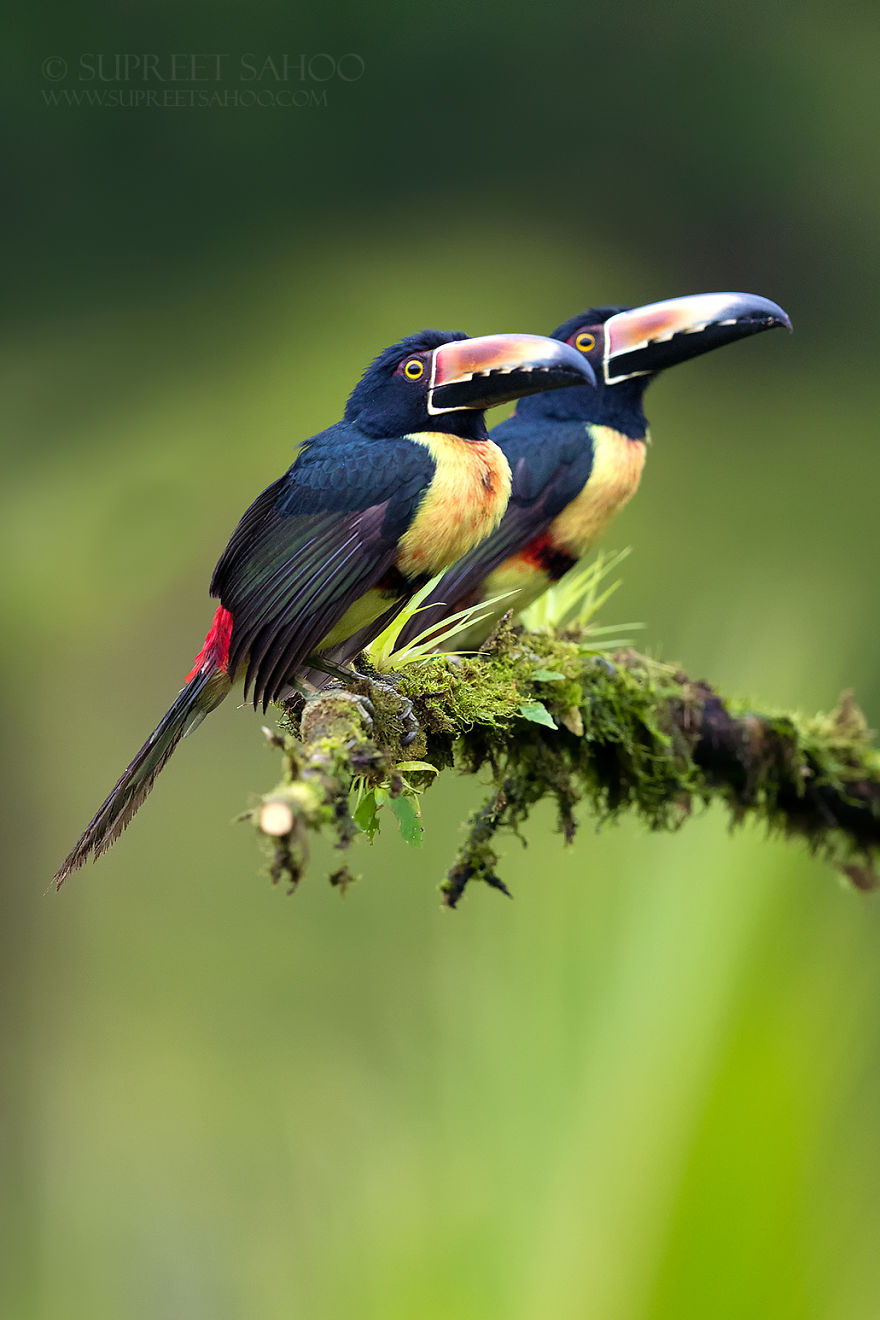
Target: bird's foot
x=363 y=682
x=401 y=707
x=366 y=708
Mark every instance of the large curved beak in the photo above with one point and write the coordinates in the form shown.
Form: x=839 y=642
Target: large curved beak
x=644 y=340
x=480 y=373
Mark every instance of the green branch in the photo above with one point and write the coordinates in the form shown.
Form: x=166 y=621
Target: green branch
x=552 y=718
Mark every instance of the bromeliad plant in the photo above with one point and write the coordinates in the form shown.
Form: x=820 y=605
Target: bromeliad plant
x=388 y=651
x=573 y=603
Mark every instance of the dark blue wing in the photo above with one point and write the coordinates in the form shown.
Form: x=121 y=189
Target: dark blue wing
x=311 y=545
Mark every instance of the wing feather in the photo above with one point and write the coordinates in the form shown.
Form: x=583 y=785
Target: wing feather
x=310 y=546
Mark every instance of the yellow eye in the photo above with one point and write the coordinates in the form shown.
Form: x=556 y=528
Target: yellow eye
x=585 y=342
x=413 y=369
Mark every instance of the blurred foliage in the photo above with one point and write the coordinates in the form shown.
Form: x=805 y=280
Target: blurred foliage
x=648 y=1087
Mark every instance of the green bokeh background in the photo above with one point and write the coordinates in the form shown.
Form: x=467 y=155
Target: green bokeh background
x=648 y=1088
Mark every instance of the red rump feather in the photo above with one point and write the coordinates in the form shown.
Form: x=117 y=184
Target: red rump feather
x=215 y=652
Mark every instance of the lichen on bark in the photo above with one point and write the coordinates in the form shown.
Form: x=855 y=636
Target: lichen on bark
x=550 y=717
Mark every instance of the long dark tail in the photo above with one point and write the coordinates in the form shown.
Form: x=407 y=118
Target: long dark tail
x=205 y=690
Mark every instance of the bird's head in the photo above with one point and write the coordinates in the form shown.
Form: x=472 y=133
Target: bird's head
x=444 y=381
x=629 y=346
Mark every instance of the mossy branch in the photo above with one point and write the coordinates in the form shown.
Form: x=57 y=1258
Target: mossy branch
x=552 y=718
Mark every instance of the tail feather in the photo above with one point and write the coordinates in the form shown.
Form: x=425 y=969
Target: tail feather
x=205 y=690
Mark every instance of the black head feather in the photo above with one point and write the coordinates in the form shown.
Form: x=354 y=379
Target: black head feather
x=592 y=316
x=618 y=406
x=385 y=404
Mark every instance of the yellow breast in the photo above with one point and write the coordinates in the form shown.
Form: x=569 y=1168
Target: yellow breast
x=614 y=479
x=463 y=504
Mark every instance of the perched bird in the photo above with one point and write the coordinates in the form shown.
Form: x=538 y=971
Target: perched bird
x=368 y=512
x=577 y=455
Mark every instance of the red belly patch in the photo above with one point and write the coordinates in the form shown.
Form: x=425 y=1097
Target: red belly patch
x=543 y=554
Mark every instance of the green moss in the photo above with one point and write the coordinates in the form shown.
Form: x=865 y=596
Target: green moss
x=629 y=734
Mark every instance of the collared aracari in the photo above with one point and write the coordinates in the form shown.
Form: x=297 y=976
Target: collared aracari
x=368 y=512
x=577 y=455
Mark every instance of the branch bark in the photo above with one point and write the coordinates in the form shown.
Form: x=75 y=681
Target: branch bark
x=551 y=717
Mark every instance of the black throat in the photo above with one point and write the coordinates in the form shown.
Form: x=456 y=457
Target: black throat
x=616 y=406
x=464 y=423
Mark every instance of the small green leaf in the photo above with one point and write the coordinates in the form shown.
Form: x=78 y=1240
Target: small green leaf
x=366 y=815
x=407 y=815
x=548 y=676
x=417 y=765
x=538 y=713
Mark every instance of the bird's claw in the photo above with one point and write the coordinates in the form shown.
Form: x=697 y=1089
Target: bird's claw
x=410 y=724
x=404 y=711
x=366 y=708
